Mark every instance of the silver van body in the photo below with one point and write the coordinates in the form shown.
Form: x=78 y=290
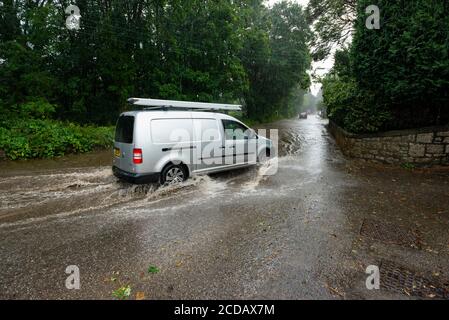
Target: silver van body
x=146 y=142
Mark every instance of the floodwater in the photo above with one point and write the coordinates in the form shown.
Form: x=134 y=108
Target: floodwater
x=241 y=234
x=50 y=188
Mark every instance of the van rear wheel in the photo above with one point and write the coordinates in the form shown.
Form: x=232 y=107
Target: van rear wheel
x=173 y=174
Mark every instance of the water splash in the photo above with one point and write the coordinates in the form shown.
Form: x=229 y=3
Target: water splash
x=262 y=173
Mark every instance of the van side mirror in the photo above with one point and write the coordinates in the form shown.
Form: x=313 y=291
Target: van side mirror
x=252 y=134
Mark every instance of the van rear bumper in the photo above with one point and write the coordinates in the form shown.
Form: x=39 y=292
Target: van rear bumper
x=137 y=178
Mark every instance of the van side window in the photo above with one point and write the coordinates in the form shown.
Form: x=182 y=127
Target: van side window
x=234 y=130
x=171 y=130
x=206 y=130
x=124 y=131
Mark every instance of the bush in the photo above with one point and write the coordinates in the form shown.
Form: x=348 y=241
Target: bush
x=396 y=77
x=350 y=108
x=38 y=108
x=43 y=138
x=405 y=64
x=338 y=96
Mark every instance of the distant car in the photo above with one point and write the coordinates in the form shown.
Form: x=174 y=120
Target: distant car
x=303 y=115
x=322 y=114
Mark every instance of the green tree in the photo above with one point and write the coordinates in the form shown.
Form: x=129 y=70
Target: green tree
x=276 y=58
x=200 y=50
x=333 y=25
x=395 y=77
x=405 y=64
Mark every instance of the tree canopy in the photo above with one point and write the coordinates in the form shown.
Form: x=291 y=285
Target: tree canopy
x=333 y=25
x=198 y=50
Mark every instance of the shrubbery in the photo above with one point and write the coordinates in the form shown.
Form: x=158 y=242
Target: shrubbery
x=396 y=77
x=44 y=138
x=347 y=105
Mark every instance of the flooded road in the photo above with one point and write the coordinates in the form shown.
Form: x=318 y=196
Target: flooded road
x=293 y=235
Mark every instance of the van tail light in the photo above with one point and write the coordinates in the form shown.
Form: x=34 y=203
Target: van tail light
x=137 y=156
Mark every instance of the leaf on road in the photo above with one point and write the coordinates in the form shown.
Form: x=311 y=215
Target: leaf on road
x=140 y=295
x=153 y=269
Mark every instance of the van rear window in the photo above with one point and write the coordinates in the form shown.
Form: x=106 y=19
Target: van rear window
x=125 y=129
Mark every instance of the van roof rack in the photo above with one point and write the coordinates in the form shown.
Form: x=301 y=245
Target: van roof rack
x=154 y=104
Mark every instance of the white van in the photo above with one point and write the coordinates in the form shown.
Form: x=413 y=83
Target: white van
x=170 y=141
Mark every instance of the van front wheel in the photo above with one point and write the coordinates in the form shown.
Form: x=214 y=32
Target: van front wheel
x=173 y=174
x=264 y=156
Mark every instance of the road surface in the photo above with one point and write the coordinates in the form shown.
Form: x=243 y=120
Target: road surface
x=307 y=232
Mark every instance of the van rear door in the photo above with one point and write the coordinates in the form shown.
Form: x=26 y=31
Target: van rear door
x=123 y=144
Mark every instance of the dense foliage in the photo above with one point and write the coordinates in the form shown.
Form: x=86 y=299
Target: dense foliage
x=200 y=50
x=45 y=138
x=396 y=77
x=275 y=57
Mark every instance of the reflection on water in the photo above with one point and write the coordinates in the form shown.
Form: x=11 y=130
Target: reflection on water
x=298 y=135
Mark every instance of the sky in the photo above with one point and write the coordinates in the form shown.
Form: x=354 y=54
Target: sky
x=319 y=68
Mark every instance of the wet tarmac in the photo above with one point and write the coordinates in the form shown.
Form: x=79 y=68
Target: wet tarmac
x=307 y=232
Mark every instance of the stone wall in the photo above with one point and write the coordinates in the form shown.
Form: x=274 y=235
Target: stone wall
x=422 y=147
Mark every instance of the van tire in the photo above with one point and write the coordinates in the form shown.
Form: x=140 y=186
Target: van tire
x=173 y=174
